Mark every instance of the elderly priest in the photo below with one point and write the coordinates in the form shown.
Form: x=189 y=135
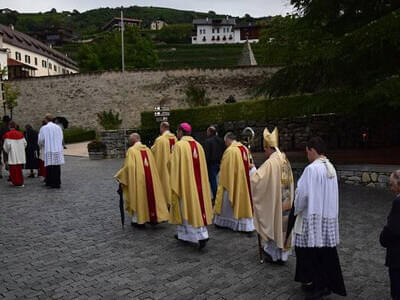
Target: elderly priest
x=273 y=195
x=234 y=205
x=191 y=207
x=141 y=185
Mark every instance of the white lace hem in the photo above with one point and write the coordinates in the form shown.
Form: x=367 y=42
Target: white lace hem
x=246 y=225
x=187 y=232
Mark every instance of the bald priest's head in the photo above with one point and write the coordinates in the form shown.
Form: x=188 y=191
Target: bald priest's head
x=134 y=138
x=164 y=126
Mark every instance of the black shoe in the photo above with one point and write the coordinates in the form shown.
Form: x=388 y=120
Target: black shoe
x=31 y=176
x=138 y=226
x=178 y=239
x=249 y=234
x=202 y=243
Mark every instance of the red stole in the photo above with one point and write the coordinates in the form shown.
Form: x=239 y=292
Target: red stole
x=151 y=199
x=171 y=144
x=245 y=159
x=197 y=175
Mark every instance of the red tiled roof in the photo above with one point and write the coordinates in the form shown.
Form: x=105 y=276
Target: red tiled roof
x=15 y=63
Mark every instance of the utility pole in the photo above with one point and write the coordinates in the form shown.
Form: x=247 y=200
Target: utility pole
x=122 y=40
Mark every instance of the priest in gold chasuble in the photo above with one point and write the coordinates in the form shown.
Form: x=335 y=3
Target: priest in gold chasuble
x=273 y=194
x=141 y=185
x=233 y=204
x=162 y=150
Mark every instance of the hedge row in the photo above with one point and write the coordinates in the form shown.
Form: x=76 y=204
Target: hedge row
x=77 y=135
x=375 y=104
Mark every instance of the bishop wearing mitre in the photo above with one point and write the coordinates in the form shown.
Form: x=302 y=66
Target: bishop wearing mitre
x=141 y=185
x=162 y=150
x=273 y=194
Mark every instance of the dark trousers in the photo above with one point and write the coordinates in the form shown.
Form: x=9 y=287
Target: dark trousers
x=394 y=275
x=213 y=170
x=53 y=176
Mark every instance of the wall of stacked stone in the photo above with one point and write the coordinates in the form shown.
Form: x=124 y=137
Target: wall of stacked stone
x=293 y=132
x=371 y=176
x=80 y=97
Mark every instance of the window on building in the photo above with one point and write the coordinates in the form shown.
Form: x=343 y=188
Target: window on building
x=55 y=68
x=217 y=30
x=27 y=59
x=18 y=56
x=44 y=64
x=50 y=65
x=213 y=30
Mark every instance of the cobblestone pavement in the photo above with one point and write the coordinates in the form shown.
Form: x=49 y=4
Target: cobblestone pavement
x=69 y=243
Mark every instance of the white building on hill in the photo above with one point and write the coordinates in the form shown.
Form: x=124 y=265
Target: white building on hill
x=158 y=25
x=223 y=31
x=28 y=57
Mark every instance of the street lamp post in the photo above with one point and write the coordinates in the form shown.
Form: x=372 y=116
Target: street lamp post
x=122 y=40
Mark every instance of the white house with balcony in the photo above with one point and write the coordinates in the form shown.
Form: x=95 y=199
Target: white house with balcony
x=223 y=31
x=28 y=57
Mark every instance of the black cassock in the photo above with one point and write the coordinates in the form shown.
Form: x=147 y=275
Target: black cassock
x=321 y=266
x=32 y=150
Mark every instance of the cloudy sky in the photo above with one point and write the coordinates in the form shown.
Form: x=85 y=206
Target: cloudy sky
x=233 y=7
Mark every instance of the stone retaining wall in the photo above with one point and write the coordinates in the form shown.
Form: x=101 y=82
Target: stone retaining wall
x=80 y=97
x=372 y=176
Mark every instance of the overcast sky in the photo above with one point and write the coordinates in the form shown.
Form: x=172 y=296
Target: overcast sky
x=255 y=8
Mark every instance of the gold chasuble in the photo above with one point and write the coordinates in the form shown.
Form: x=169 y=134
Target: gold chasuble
x=234 y=177
x=272 y=187
x=191 y=193
x=141 y=186
x=162 y=150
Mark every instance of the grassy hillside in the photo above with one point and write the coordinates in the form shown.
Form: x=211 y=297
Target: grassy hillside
x=87 y=23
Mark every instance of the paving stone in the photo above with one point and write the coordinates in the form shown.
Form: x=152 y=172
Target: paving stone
x=69 y=243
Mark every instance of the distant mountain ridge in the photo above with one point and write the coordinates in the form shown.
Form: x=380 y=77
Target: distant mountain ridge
x=92 y=21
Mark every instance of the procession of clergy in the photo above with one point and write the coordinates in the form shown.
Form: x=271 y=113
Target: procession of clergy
x=170 y=182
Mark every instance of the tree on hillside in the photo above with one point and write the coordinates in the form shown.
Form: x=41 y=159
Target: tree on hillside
x=324 y=50
x=106 y=53
x=340 y=16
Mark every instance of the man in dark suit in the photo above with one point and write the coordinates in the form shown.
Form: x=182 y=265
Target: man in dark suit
x=214 y=148
x=390 y=238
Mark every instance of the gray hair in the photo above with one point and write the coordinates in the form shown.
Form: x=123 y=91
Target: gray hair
x=395 y=177
x=230 y=135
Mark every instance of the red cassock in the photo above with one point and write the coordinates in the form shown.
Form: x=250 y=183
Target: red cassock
x=16 y=175
x=42 y=169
